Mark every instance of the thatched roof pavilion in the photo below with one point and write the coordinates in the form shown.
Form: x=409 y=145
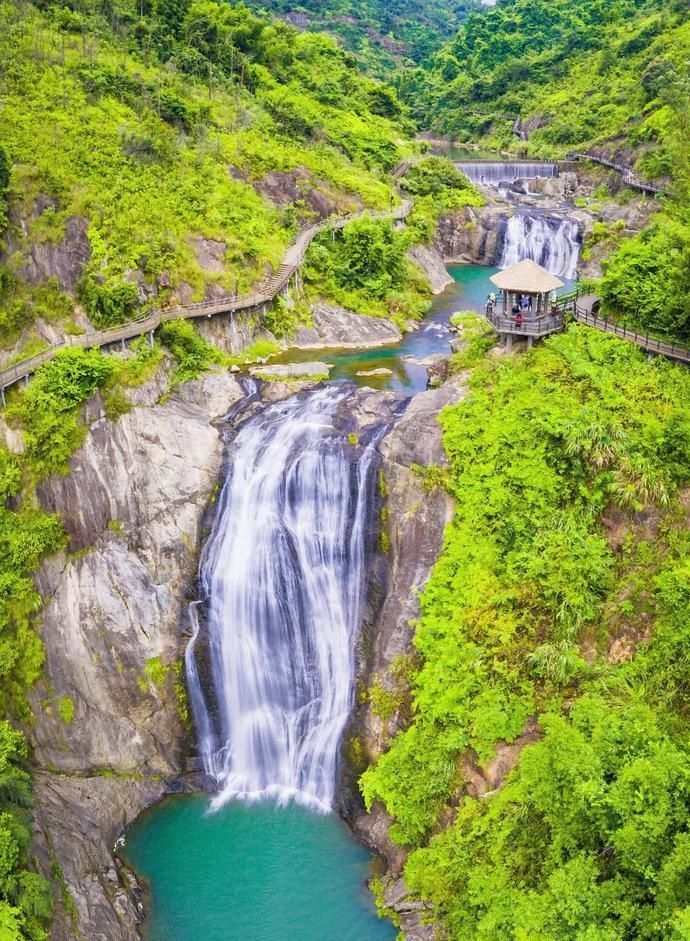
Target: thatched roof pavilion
x=525 y=308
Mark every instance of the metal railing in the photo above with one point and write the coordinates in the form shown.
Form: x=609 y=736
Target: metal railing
x=147 y=323
x=643 y=340
x=539 y=326
x=630 y=178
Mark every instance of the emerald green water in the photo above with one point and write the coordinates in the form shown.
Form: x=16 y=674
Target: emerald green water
x=252 y=873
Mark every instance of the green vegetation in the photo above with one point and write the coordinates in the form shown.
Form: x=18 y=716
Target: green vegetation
x=563 y=591
x=25 y=900
x=168 y=126
x=586 y=72
x=363 y=267
x=66 y=709
x=156 y=671
x=48 y=408
x=192 y=352
x=647 y=281
x=437 y=188
x=381 y=34
x=26 y=537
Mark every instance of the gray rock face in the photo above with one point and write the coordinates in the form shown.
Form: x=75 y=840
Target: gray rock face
x=416 y=520
x=297 y=186
x=338 y=327
x=474 y=236
x=63 y=260
x=105 y=897
x=133 y=504
x=210 y=254
x=292 y=371
x=431 y=262
x=231 y=333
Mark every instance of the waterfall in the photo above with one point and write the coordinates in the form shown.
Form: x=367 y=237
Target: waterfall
x=493 y=174
x=282 y=576
x=552 y=243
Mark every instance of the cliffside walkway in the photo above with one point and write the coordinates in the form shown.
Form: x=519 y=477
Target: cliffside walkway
x=630 y=178
x=264 y=293
x=584 y=310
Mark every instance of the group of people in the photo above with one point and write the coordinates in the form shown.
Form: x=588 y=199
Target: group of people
x=522 y=306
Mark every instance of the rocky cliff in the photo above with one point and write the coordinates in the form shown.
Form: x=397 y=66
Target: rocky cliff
x=107 y=734
x=414 y=521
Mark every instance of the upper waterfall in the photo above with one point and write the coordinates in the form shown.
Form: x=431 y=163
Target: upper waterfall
x=493 y=174
x=282 y=574
x=553 y=243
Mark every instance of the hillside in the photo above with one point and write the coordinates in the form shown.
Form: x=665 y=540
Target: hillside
x=382 y=35
x=171 y=155
x=547 y=77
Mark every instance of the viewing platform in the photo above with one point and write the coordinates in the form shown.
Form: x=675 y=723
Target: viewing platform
x=527 y=306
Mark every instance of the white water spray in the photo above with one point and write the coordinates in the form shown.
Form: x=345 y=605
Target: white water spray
x=282 y=574
x=552 y=243
x=494 y=174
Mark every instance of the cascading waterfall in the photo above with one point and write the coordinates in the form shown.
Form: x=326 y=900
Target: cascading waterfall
x=552 y=243
x=282 y=576
x=494 y=174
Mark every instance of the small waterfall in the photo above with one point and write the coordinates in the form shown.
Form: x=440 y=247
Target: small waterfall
x=282 y=575
x=494 y=174
x=553 y=243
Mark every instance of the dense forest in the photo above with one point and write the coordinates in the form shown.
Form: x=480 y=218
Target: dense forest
x=569 y=71
x=383 y=35
x=193 y=122
x=546 y=78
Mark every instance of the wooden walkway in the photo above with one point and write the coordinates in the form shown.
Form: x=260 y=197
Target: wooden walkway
x=265 y=293
x=584 y=310
x=630 y=178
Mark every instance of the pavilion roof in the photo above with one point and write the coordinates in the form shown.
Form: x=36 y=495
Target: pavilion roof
x=526 y=277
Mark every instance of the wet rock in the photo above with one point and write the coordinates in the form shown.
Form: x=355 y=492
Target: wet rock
x=101 y=891
x=288 y=371
x=471 y=235
x=375 y=372
x=338 y=327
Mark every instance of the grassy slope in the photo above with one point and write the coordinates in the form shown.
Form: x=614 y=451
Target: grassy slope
x=157 y=145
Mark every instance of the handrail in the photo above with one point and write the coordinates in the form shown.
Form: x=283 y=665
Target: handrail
x=147 y=323
x=629 y=177
x=643 y=340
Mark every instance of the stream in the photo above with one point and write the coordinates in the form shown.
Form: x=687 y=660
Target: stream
x=279 y=630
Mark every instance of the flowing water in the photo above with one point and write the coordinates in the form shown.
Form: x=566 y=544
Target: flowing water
x=282 y=575
x=553 y=243
x=281 y=585
x=500 y=172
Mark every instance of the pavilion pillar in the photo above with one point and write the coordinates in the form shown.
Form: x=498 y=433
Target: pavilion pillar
x=509 y=342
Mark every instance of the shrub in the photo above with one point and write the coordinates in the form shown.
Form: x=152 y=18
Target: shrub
x=193 y=354
x=110 y=302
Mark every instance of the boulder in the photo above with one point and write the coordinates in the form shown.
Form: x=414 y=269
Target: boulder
x=431 y=262
x=338 y=327
x=288 y=371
